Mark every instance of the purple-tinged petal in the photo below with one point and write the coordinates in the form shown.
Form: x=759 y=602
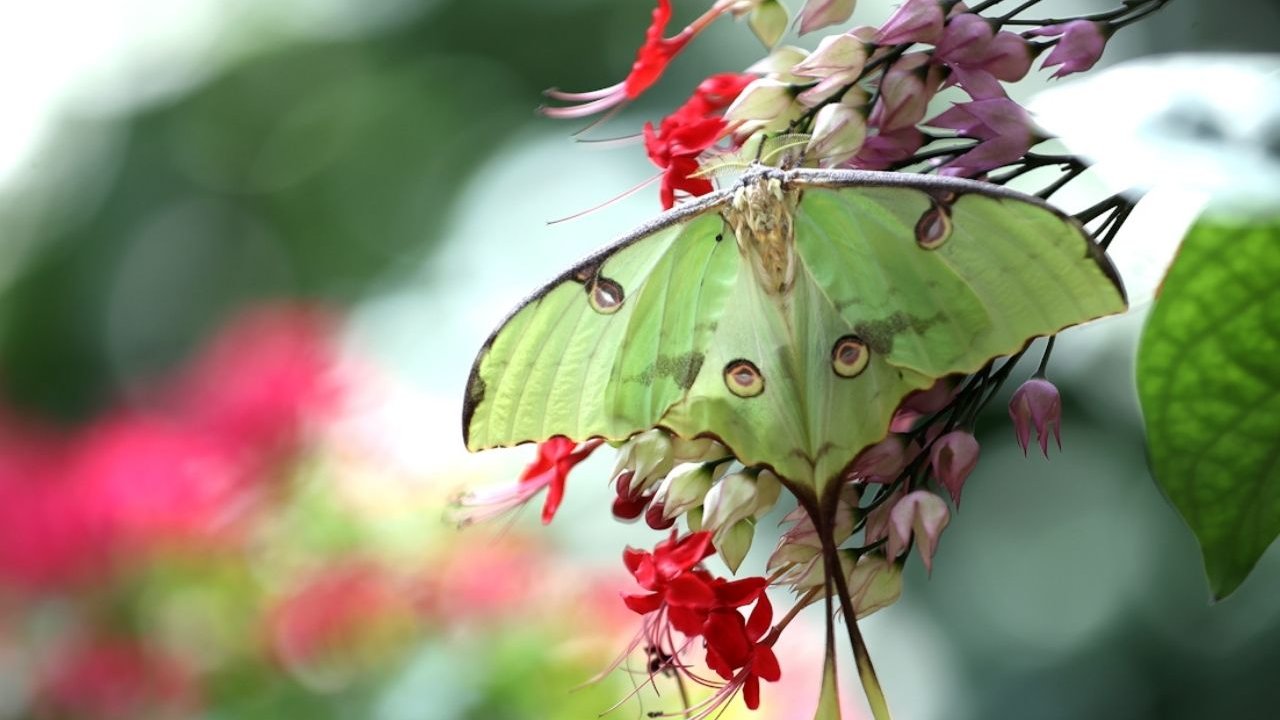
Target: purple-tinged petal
x=921 y=515
x=915 y=21
x=821 y=13
x=964 y=39
x=1079 y=49
x=881 y=462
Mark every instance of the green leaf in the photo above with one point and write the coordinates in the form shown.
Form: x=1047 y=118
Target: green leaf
x=1209 y=382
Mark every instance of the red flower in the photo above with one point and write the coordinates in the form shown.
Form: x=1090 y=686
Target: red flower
x=688 y=593
x=651 y=61
x=556 y=457
x=692 y=129
x=688 y=599
x=735 y=651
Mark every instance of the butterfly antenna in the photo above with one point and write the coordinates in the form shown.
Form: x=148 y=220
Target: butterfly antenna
x=600 y=120
x=782 y=143
x=621 y=141
x=606 y=203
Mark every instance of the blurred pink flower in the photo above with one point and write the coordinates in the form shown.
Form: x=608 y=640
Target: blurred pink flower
x=154 y=480
x=51 y=535
x=116 y=679
x=72 y=505
x=262 y=378
x=338 y=620
x=483 y=581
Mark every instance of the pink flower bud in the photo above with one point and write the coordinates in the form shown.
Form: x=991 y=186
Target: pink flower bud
x=1003 y=127
x=980 y=58
x=905 y=91
x=1036 y=404
x=921 y=403
x=820 y=13
x=1079 y=48
x=838 y=132
x=953 y=457
x=921 y=515
x=836 y=64
x=881 y=462
x=915 y=21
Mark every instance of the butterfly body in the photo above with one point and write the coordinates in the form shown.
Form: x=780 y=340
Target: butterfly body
x=787 y=316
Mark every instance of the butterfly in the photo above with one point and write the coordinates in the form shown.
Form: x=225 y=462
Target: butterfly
x=787 y=316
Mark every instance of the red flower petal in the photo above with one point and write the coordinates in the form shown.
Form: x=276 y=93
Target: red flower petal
x=643 y=604
x=739 y=592
x=689 y=591
x=751 y=692
x=726 y=632
x=632 y=558
x=761 y=619
x=683 y=555
x=765 y=664
x=687 y=620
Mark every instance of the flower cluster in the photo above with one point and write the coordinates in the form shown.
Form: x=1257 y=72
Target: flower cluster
x=684 y=598
x=926 y=91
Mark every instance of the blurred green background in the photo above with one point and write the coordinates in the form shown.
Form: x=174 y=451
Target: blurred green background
x=168 y=170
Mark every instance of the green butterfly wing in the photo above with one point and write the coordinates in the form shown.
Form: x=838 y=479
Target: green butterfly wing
x=899 y=280
x=605 y=349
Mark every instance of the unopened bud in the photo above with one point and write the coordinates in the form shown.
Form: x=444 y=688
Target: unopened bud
x=733 y=542
x=649 y=456
x=838 y=132
x=768 y=21
x=731 y=499
x=953 y=456
x=921 y=515
x=874 y=583
x=1036 y=404
x=759 y=105
x=882 y=462
x=687 y=485
x=820 y=13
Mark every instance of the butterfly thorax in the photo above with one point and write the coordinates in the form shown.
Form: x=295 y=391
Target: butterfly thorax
x=761 y=217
